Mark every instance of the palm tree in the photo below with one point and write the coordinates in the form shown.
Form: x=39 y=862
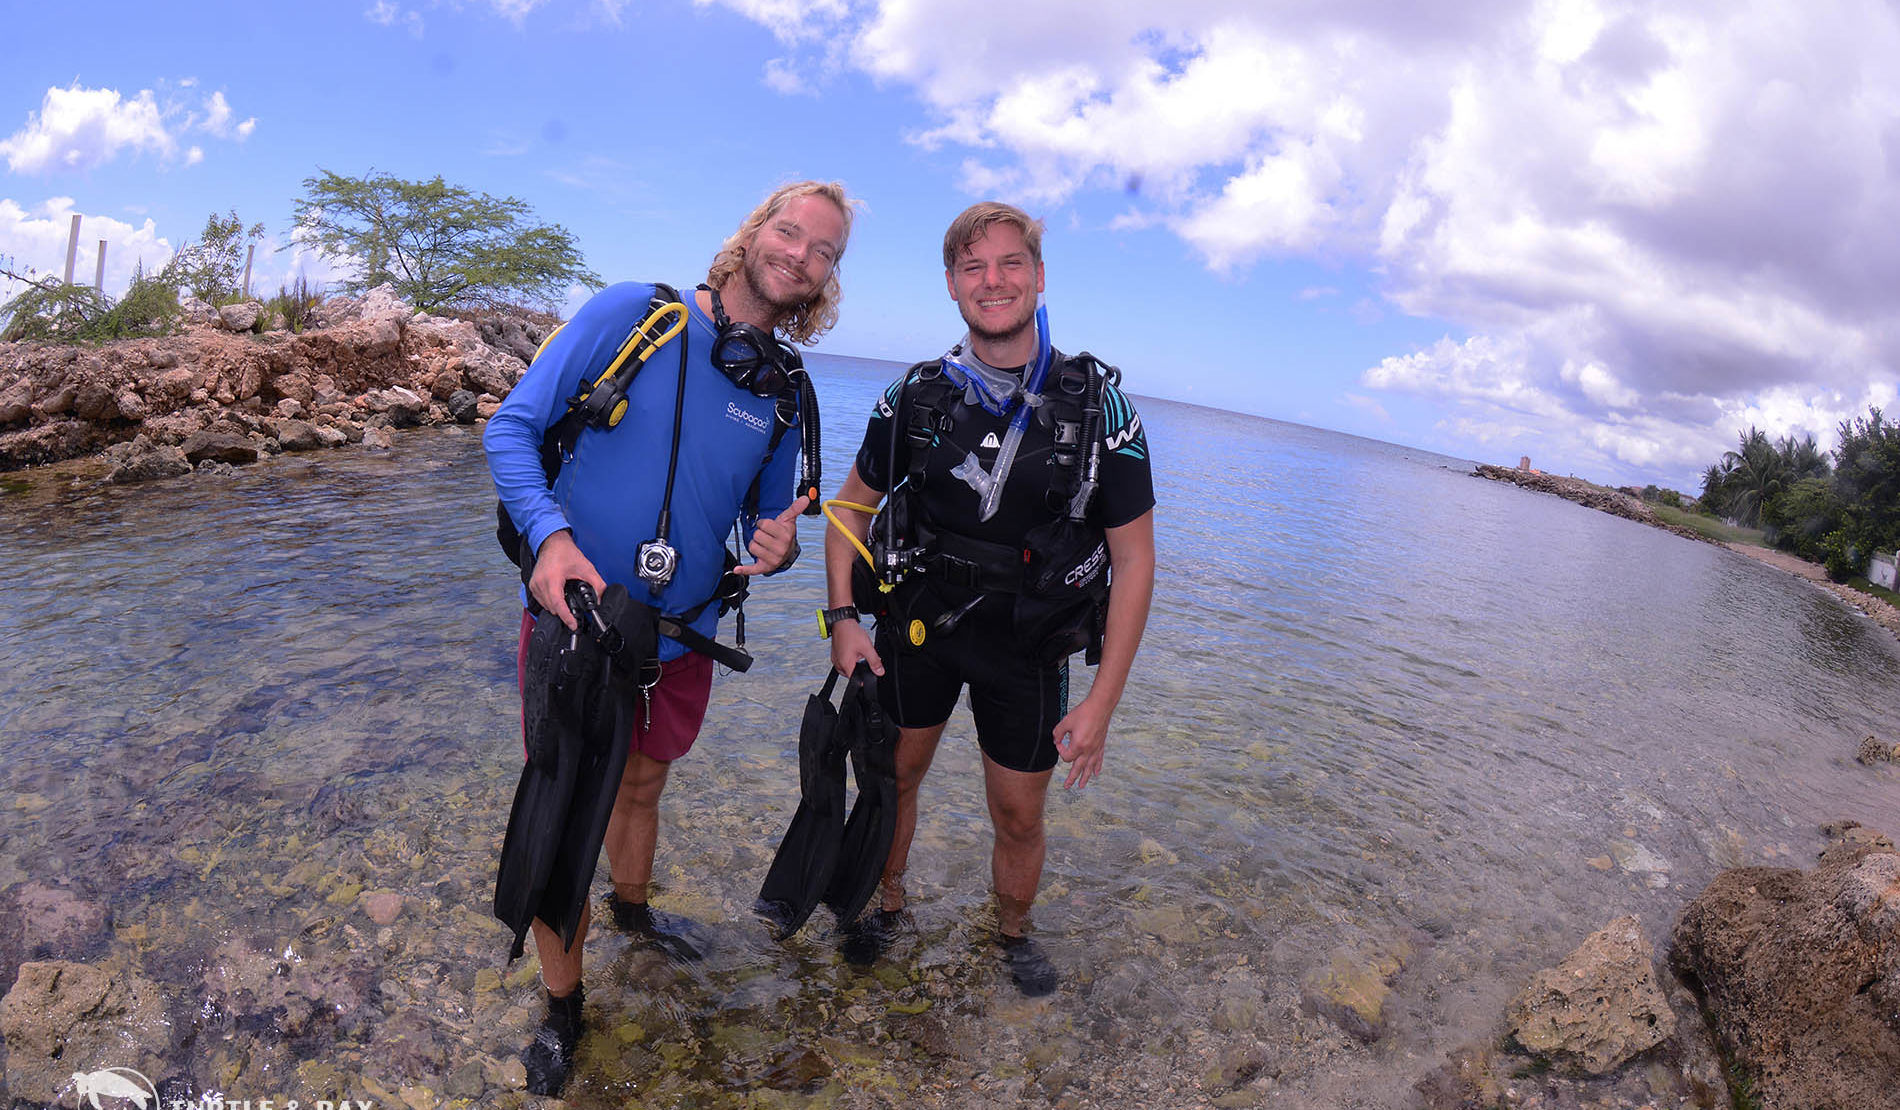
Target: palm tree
x=1803 y=459
x=1715 y=488
x=1756 y=473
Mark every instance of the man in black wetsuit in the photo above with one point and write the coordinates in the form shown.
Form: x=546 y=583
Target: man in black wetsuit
x=1002 y=475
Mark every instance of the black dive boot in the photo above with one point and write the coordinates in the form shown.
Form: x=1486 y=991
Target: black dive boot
x=863 y=942
x=676 y=936
x=1029 y=967
x=550 y=1056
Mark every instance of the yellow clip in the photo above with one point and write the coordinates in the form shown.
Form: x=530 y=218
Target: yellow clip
x=640 y=345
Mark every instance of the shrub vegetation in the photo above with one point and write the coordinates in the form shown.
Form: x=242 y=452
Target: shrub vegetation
x=1836 y=511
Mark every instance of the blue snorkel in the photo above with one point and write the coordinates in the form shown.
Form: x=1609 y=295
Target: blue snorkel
x=989 y=485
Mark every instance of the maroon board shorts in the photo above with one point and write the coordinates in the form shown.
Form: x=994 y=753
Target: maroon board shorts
x=679 y=701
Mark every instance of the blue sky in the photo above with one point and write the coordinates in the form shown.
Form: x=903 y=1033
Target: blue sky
x=1605 y=235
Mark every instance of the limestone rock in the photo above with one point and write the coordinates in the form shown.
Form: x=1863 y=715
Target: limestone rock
x=369 y=354
x=53 y=917
x=1874 y=750
x=63 y=1017
x=240 y=317
x=131 y=406
x=405 y=407
x=50 y=442
x=446 y=383
x=1352 y=992
x=1799 y=975
x=383 y=906
x=298 y=435
x=1598 y=1008
x=195 y=311
x=220 y=446
x=16 y=401
x=462 y=406
x=142 y=460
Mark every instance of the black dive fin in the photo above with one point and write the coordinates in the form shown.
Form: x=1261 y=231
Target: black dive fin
x=576 y=715
x=807 y=855
x=872 y=739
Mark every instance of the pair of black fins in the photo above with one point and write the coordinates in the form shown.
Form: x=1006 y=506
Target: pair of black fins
x=827 y=856
x=578 y=695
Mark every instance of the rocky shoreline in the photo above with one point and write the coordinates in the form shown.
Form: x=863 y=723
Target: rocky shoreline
x=1587 y=494
x=221 y=393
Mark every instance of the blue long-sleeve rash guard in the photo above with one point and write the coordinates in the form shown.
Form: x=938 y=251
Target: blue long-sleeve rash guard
x=609 y=493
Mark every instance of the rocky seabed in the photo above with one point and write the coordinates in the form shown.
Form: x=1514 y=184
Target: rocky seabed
x=1778 y=988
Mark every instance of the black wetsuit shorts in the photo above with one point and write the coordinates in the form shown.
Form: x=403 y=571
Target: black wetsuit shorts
x=1015 y=698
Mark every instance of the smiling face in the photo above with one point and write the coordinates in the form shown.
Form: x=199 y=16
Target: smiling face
x=994 y=280
x=793 y=252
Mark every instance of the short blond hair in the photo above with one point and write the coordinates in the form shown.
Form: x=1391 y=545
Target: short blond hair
x=816 y=316
x=975 y=222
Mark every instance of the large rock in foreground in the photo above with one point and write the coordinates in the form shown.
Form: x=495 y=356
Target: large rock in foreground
x=1599 y=1008
x=1800 y=975
x=63 y=1017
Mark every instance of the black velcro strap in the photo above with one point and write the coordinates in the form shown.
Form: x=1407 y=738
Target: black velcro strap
x=732 y=658
x=974 y=564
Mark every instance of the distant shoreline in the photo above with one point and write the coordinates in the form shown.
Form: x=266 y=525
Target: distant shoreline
x=1618 y=503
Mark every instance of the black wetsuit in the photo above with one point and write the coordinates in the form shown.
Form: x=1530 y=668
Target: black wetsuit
x=1016 y=696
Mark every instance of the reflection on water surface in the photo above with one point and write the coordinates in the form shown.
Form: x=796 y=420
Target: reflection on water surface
x=1390 y=724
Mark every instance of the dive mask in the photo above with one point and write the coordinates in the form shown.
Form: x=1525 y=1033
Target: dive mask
x=750 y=357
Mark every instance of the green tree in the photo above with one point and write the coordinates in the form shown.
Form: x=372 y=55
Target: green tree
x=1802 y=515
x=1867 y=481
x=1756 y=472
x=1714 y=499
x=438 y=244
x=210 y=268
x=1802 y=458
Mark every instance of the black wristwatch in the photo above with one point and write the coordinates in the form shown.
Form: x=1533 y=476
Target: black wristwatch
x=828 y=618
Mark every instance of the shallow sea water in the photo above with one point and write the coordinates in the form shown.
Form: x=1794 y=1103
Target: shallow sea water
x=1390 y=724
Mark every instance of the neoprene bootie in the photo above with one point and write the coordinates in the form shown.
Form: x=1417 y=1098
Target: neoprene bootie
x=669 y=933
x=550 y=1056
x=1029 y=967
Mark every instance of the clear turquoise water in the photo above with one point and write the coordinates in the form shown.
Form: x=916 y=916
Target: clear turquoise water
x=1385 y=713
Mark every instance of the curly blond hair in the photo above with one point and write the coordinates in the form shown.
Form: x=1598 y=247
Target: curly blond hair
x=816 y=316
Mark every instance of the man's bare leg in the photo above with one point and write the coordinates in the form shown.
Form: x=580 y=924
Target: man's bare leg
x=1016 y=800
x=916 y=748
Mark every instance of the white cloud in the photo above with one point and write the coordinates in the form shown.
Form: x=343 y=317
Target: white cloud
x=388 y=13
x=1645 y=218
x=791 y=21
x=36 y=240
x=81 y=129
x=78 y=129
x=217 y=120
x=515 y=11
x=782 y=77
